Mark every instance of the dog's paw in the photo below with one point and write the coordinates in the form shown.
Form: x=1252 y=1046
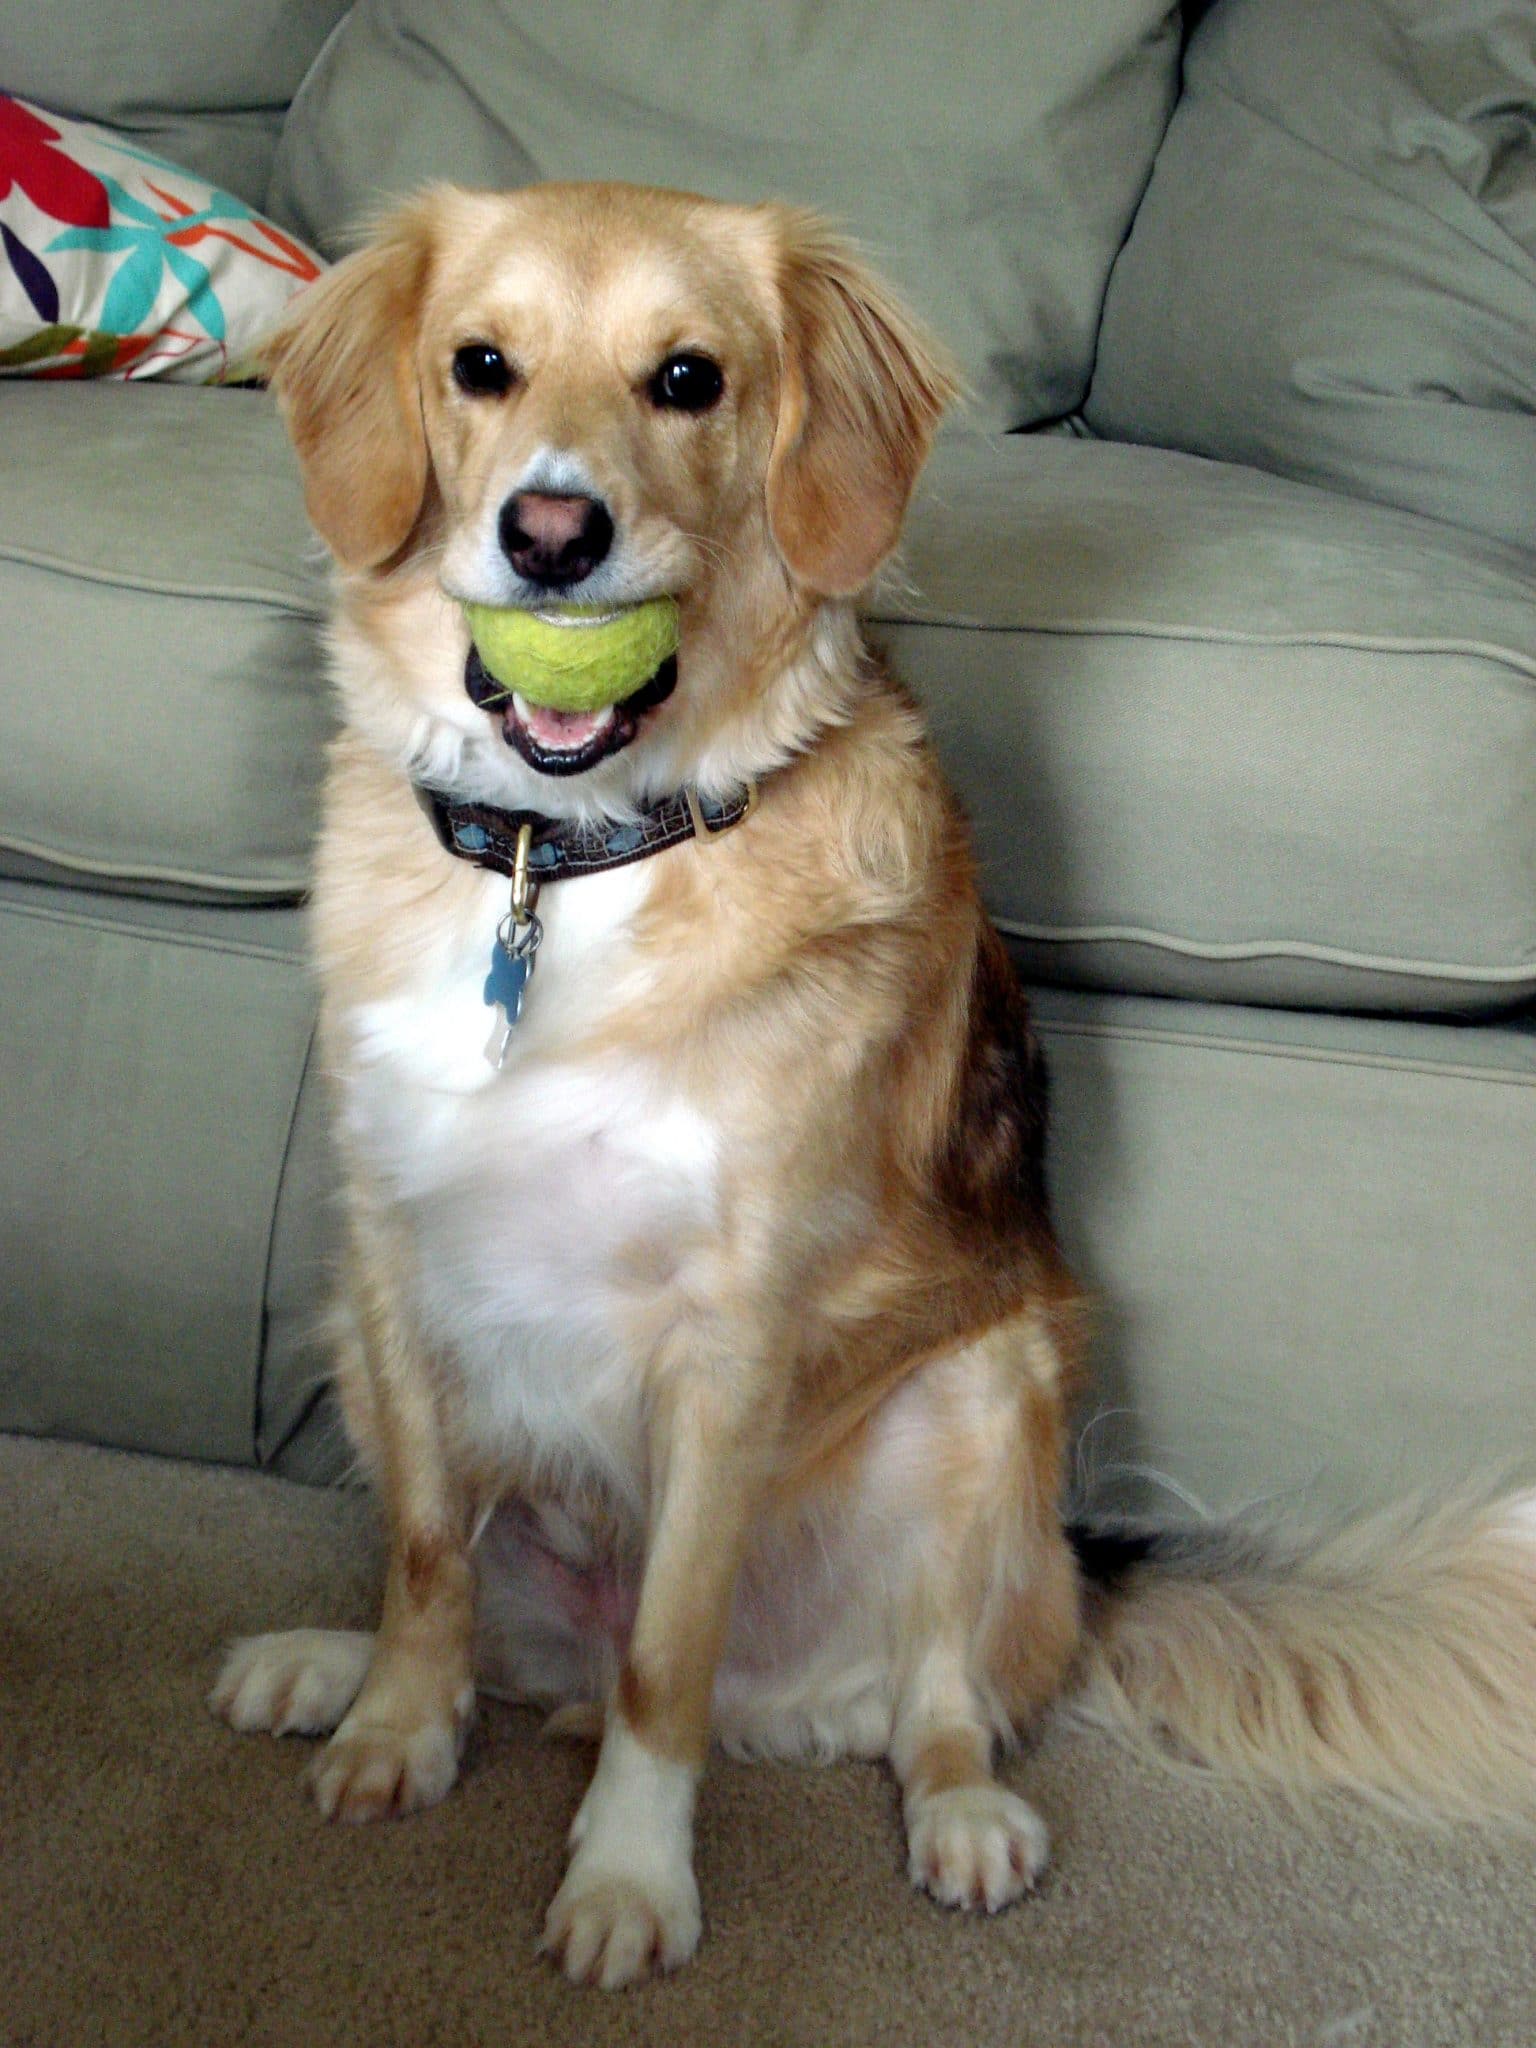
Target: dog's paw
x=370 y=1770
x=975 y=1846
x=613 y=1928
x=298 y=1683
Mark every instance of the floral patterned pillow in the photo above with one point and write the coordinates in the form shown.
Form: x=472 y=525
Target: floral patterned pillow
x=116 y=264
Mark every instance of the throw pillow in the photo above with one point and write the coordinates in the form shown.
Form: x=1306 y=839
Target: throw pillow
x=114 y=263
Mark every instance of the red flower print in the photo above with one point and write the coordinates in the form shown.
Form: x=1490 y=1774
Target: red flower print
x=54 y=182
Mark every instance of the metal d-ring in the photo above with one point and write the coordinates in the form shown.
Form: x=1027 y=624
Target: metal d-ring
x=525 y=890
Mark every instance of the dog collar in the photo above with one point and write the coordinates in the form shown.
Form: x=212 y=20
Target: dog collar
x=534 y=850
x=559 y=849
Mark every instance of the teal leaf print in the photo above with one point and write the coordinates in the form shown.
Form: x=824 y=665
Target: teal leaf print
x=144 y=239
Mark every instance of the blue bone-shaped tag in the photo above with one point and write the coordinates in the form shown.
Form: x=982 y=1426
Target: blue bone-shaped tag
x=506 y=981
x=511 y=964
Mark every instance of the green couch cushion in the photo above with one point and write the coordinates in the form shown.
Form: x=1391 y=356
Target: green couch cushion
x=1308 y=1242
x=162 y=708
x=1333 y=274
x=992 y=164
x=154 y=1060
x=1226 y=736
x=203 y=82
x=1221 y=735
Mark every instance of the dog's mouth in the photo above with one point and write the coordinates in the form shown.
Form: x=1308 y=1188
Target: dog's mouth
x=566 y=742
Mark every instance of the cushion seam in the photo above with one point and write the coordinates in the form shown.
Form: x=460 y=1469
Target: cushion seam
x=155 y=586
x=244 y=949
x=1231 y=636
x=1147 y=1034
x=1220 y=952
x=259 y=1376
x=264 y=889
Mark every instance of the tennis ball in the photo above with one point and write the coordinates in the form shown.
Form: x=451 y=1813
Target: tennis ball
x=576 y=658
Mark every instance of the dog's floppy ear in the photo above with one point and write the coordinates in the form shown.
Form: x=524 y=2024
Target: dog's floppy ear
x=861 y=391
x=342 y=364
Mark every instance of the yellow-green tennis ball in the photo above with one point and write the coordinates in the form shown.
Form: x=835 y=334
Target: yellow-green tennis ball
x=578 y=658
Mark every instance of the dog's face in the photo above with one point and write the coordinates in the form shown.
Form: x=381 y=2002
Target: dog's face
x=597 y=395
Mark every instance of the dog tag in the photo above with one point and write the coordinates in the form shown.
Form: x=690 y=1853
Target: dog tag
x=511 y=964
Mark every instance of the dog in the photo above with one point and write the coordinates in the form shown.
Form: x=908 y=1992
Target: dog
x=704 y=1331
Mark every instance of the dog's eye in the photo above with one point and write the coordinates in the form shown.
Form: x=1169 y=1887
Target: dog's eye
x=687 y=383
x=481 y=370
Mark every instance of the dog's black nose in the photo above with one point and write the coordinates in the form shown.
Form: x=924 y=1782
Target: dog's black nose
x=555 y=541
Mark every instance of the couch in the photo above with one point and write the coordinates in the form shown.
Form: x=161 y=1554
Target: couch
x=1221 y=597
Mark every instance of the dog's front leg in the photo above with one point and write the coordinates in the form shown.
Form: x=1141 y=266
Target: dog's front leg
x=629 y=1904
x=398 y=1746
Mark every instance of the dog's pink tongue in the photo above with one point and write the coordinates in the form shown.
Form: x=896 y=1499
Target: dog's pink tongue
x=565 y=729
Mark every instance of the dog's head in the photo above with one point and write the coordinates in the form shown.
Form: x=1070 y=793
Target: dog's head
x=597 y=395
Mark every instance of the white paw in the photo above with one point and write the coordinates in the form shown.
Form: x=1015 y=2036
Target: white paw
x=613 y=1928
x=298 y=1683
x=629 y=1906
x=976 y=1846
x=370 y=1770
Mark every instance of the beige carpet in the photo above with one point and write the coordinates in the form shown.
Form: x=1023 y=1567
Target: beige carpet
x=164 y=1882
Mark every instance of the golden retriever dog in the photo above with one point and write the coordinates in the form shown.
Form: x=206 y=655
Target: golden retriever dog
x=704 y=1332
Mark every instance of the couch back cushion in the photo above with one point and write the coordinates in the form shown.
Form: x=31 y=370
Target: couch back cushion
x=991 y=163
x=1333 y=274
x=203 y=82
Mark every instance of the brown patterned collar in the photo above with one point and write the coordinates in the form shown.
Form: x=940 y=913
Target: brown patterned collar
x=560 y=849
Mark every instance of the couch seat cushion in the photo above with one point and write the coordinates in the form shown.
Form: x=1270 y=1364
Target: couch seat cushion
x=1228 y=736
x=152 y=1099
x=1221 y=735
x=162 y=707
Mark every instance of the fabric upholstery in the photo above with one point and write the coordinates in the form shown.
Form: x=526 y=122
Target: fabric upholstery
x=993 y=173
x=1225 y=736
x=164 y=713
x=1308 y=1241
x=1220 y=735
x=153 y=1061
x=1333 y=275
x=204 y=82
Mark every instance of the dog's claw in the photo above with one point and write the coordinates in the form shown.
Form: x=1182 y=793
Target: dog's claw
x=613 y=1931
x=299 y=1682
x=978 y=1847
x=367 y=1772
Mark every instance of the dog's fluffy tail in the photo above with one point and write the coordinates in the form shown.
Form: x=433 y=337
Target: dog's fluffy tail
x=1395 y=1660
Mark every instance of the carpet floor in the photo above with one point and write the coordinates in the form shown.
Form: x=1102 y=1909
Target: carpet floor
x=163 y=1881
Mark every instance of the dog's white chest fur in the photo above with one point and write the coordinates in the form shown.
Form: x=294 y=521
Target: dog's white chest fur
x=546 y=1199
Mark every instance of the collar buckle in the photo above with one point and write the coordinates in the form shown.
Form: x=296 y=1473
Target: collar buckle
x=725 y=815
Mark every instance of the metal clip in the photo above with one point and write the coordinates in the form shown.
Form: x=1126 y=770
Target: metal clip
x=525 y=890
